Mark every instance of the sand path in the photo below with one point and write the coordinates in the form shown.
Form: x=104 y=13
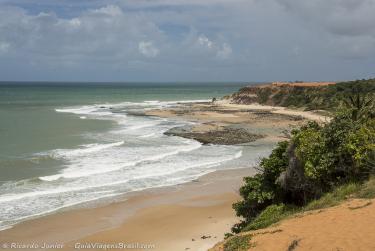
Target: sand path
x=274 y=109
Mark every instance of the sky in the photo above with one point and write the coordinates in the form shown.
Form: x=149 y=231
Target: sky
x=186 y=40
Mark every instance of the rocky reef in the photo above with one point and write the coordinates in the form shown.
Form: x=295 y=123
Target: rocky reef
x=223 y=136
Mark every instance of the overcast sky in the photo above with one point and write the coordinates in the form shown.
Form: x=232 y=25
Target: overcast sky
x=187 y=40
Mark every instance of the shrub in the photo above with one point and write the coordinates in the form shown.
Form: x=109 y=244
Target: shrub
x=335 y=197
x=368 y=189
x=315 y=161
x=267 y=217
x=310 y=149
x=238 y=243
x=261 y=190
x=263 y=95
x=277 y=212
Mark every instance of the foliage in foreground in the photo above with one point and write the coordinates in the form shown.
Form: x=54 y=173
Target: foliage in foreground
x=316 y=160
x=238 y=243
x=268 y=216
x=275 y=213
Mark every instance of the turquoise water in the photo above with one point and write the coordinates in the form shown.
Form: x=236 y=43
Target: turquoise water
x=61 y=145
x=30 y=124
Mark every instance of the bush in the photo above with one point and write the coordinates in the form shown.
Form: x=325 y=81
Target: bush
x=267 y=217
x=238 y=243
x=310 y=149
x=322 y=97
x=261 y=190
x=277 y=212
x=368 y=189
x=263 y=95
x=335 y=197
x=315 y=161
x=336 y=153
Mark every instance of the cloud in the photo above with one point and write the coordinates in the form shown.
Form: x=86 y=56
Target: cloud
x=110 y=10
x=222 y=51
x=105 y=33
x=199 y=40
x=148 y=49
x=348 y=23
x=4 y=47
x=341 y=17
x=225 y=51
x=205 y=42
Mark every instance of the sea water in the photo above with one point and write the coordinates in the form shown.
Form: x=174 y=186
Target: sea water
x=66 y=144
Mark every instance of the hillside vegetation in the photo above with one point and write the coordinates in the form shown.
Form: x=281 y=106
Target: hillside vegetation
x=303 y=95
x=321 y=164
x=287 y=235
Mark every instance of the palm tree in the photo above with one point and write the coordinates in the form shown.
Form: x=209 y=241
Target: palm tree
x=361 y=106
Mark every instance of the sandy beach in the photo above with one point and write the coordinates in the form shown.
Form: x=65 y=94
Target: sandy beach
x=191 y=216
x=177 y=125
x=194 y=215
x=271 y=123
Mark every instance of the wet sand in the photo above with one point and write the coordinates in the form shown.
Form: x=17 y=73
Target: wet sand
x=168 y=218
x=191 y=216
x=272 y=123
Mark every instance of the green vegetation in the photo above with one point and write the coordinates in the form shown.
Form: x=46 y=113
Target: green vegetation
x=269 y=216
x=319 y=167
x=368 y=190
x=327 y=98
x=275 y=213
x=335 y=197
x=238 y=243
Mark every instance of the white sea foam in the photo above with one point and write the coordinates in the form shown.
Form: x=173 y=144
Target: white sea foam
x=20 y=219
x=148 y=135
x=133 y=155
x=84 y=149
x=4 y=227
x=141 y=174
x=95 y=110
x=103 y=163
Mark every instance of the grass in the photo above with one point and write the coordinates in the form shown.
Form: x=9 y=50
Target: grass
x=268 y=216
x=335 y=197
x=275 y=213
x=238 y=243
x=368 y=190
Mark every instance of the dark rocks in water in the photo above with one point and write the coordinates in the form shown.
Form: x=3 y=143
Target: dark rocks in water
x=269 y=114
x=136 y=113
x=225 y=136
x=178 y=131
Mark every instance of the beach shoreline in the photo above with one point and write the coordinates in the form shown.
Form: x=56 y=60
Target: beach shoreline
x=201 y=208
x=193 y=215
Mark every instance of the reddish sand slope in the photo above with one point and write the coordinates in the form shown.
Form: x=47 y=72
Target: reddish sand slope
x=347 y=227
x=303 y=84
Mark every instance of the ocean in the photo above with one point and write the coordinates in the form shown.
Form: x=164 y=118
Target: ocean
x=66 y=145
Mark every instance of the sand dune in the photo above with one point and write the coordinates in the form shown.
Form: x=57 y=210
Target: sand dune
x=349 y=226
